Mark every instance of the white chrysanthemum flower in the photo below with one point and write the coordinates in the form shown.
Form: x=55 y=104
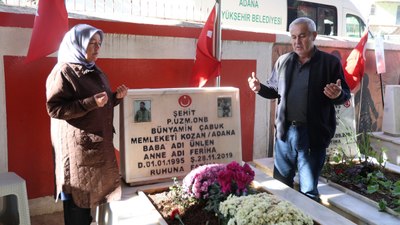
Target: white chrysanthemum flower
x=262 y=209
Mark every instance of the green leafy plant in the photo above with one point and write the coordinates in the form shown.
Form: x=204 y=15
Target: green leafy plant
x=178 y=195
x=215 y=198
x=367 y=175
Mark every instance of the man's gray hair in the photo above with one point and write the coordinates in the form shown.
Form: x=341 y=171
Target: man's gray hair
x=304 y=20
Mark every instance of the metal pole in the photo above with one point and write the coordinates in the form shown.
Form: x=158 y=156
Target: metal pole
x=218 y=38
x=360 y=105
x=383 y=101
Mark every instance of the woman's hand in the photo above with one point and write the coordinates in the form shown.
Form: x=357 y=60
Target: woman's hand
x=122 y=91
x=101 y=99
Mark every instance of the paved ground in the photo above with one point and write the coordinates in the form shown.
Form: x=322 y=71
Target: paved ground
x=50 y=219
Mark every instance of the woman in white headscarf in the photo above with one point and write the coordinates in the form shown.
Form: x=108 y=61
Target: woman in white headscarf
x=80 y=104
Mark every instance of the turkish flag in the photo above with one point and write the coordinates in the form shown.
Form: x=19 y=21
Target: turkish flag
x=51 y=23
x=206 y=65
x=354 y=65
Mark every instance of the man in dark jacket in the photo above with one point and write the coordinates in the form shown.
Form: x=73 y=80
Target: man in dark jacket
x=308 y=83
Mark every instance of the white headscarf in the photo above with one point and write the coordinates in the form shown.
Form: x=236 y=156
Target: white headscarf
x=74 y=44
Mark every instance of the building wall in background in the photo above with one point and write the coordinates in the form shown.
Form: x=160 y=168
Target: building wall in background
x=385 y=19
x=138 y=55
x=144 y=56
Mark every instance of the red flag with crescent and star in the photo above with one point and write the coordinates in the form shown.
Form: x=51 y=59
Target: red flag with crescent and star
x=50 y=25
x=355 y=62
x=206 y=65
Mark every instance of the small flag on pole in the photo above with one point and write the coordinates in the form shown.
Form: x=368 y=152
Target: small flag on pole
x=380 y=55
x=207 y=64
x=51 y=23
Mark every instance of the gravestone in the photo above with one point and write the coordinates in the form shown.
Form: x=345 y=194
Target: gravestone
x=344 y=141
x=387 y=142
x=391 y=115
x=166 y=133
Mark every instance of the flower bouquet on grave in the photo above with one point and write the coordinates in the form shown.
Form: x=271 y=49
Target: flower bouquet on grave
x=215 y=182
x=225 y=192
x=260 y=209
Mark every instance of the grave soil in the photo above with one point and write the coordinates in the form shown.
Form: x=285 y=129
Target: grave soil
x=193 y=215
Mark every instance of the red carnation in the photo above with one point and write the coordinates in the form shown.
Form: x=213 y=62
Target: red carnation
x=175 y=215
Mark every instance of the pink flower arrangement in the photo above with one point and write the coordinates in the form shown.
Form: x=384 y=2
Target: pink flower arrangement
x=230 y=178
x=235 y=178
x=198 y=181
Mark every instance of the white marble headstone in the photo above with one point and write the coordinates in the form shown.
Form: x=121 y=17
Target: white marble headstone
x=186 y=128
x=344 y=141
x=391 y=111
